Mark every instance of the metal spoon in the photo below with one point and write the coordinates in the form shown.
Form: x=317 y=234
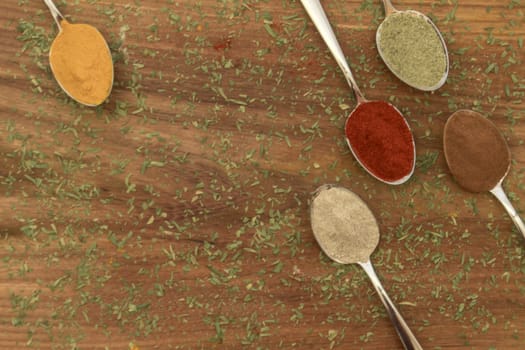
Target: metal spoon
x=456 y=155
x=318 y=16
x=389 y=10
x=499 y=193
x=335 y=229
x=59 y=19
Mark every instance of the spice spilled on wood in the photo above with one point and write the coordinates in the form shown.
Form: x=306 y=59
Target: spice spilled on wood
x=380 y=138
x=413 y=50
x=81 y=63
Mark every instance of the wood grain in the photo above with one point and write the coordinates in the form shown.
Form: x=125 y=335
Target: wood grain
x=175 y=216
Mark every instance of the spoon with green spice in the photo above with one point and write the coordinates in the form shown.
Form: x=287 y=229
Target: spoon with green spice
x=377 y=134
x=478 y=157
x=412 y=48
x=347 y=232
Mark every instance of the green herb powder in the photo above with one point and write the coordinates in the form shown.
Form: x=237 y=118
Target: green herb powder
x=412 y=49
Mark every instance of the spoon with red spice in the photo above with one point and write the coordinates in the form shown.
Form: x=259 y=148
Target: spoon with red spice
x=478 y=157
x=377 y=134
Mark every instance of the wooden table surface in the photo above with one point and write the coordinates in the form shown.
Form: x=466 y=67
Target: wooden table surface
x=175 y=216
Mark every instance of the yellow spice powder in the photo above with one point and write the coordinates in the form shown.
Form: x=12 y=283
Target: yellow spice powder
x=82 y=64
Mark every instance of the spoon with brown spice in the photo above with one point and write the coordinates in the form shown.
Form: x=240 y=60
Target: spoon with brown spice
x=413 y=48
x=478 y=157
x=347 y=232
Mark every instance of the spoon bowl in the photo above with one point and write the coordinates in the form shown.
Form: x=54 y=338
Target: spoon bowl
x=391 y=151
x=320 y=20
x=478 y=157
x=347 y=232
x=401 y=60
x=83 y=70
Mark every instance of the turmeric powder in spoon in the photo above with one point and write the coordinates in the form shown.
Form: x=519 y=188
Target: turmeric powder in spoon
x=81 y=61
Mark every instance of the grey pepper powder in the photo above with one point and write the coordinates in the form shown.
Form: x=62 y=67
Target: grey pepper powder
x=343 y=225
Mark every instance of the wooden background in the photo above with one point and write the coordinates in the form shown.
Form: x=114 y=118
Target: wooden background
x=175 y=216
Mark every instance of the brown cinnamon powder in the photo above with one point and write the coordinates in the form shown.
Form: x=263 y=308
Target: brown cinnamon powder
x=475 y=150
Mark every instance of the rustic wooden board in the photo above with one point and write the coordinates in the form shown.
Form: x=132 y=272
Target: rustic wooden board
x=175 y=216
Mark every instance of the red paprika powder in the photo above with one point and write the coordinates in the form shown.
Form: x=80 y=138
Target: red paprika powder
x=381 y=140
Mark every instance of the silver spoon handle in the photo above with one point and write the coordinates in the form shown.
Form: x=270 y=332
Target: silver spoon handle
x=403 y=331
x=318 y=16
x=499 y=193
x=389 y=8
x=57 y=16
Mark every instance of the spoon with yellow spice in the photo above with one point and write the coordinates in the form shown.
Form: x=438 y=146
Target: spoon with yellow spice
x=80 y=60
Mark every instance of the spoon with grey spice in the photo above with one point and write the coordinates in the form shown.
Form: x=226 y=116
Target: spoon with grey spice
x=347 y=232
